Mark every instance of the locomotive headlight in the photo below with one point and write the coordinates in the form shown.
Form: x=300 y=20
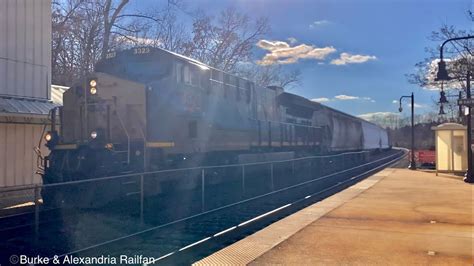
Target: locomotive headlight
x=93 y=83
x=94 y=134
x=93 y=86
x=48 y=137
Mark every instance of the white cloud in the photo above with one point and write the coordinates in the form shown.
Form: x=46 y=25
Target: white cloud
x=292 y=40
x=368 y=99
x=320 y=100
x=318 y=23
x=417 y=105
x=394 y=101
x=344 y=97
x=377 y=115
x=282 y=53
x=346 y=58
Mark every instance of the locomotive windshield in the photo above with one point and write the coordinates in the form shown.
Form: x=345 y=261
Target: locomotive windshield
x=139 y=64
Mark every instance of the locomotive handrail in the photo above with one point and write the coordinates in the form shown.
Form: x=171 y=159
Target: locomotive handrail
x=197 y=168
x=144 y=147
x=128 y=137
x=39 y=158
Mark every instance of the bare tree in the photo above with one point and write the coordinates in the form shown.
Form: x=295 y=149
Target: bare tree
x=111 y=14
x=225 y=41
x=270 y=75
x=84 y=30
x=77 y=25
x=165 y=31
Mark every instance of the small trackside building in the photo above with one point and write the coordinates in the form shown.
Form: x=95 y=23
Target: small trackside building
x=25 y=87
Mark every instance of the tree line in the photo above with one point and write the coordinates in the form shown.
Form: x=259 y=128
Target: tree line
x=83 y=31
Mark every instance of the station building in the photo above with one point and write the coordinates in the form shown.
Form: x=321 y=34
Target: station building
x=25 y=87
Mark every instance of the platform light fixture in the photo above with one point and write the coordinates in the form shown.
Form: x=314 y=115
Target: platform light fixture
x=412 y=165
x=442 y=95
x=441 y=110
x=442 y=74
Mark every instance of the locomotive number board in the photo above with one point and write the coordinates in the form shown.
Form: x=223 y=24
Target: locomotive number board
x=141 y=50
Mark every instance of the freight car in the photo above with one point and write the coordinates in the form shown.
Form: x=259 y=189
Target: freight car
x=145 y=109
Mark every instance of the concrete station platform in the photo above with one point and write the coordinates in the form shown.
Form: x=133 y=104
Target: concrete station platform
x=395 y=217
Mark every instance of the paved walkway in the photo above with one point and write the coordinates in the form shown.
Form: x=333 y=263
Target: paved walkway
x=396 y=217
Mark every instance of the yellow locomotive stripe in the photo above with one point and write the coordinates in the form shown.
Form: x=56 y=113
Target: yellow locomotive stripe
x=65 y=147
x=160 y=144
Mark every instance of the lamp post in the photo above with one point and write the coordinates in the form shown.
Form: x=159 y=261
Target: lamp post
x=442 y=75
x=412 y=165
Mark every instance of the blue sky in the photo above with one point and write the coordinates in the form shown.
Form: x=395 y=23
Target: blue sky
x=393 y=31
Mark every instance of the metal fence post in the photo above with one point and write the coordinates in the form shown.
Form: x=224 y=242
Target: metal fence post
x=142 y=192
x=271 y=176
x=37 y=196
x=243 y=180
x=203 y=191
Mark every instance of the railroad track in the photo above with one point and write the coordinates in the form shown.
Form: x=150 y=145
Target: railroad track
x=188 y=239
x=17 y=222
